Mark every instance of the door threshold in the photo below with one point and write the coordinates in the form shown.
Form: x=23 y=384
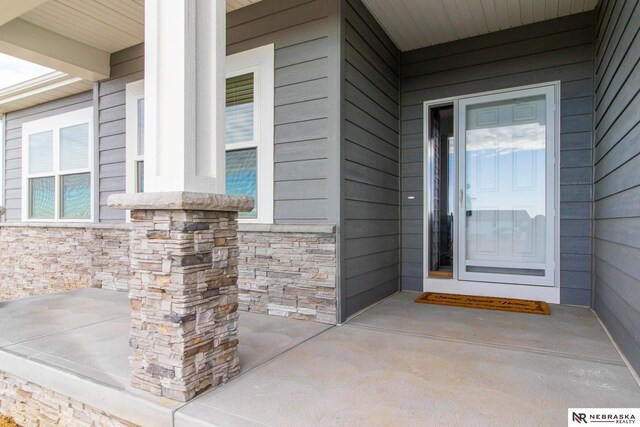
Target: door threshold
x=548 y=294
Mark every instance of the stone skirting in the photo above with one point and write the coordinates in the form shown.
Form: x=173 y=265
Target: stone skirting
x=32 y=405
x=40 y=259
x=284 y=270
x=288 y=270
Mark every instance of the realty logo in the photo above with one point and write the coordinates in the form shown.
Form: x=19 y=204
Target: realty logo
x=580 y=416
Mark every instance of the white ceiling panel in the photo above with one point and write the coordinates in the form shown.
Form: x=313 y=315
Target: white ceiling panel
x=108 y=25
x=418 y=23
x=237 y=4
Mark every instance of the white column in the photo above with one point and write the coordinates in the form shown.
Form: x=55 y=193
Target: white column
x=184 y=95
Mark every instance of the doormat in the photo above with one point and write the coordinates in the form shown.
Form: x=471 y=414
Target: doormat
x=486 y=303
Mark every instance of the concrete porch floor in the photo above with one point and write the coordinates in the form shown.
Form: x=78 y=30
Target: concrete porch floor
x=398 y=363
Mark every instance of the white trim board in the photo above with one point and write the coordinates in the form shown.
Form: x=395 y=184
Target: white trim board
x=487 y=287
x=259 y=61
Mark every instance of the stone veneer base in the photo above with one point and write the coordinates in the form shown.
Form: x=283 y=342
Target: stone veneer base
x=184 y=301
x=30 y=404
x=46 y=258
x=284 y=269
x=288 y=270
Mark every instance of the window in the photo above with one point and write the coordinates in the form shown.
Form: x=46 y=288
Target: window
x=57 y=159
x=249 y=130
x=135 y=137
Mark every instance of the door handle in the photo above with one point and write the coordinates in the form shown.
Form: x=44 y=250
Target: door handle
x=461 y=197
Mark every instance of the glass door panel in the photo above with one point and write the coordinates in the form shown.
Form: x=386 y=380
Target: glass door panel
x=441 y=172
x=506 y=202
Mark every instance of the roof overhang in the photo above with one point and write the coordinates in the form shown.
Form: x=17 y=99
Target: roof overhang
x=74 y=37
x=413 y=24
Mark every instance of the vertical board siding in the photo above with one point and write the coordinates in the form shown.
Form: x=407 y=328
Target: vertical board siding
x=559 y=49
x=126 y=66
x=13 y=147
x=299 y=29
x=617 y=180
x=371 y=152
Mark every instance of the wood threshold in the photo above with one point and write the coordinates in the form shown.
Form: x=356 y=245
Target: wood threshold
x=448 y=274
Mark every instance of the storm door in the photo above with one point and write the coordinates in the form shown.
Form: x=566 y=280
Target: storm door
x=506 y=187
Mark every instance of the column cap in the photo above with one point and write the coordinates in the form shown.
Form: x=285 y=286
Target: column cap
x=181 y=200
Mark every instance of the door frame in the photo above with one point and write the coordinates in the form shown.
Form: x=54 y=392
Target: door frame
x=454 y=285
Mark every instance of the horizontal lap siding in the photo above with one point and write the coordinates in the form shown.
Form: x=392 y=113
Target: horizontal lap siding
x=126 y=66
x=13 y=147
x=559 y=49
x=617 y=180
x=302 y=152
x=371 y=153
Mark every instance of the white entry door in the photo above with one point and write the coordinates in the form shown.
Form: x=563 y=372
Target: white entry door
x=507 y=187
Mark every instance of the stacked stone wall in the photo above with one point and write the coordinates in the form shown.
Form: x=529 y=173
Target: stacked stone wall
x=39 y=260
x=288 y=270
x=284 y=270
x=32 y=405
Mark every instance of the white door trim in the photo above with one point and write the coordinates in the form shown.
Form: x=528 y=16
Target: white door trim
x=549 y=294
x=454 y=286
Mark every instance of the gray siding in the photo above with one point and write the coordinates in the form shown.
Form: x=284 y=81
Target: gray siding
x=126 y=66
x=13 y=147
x=559 y=49
x=617 y=180
x=371 y=160
x=305 y=151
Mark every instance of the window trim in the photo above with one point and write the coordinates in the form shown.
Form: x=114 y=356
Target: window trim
x=134 y=92
x=54 y=124
x=261 y=62
x=3 y=148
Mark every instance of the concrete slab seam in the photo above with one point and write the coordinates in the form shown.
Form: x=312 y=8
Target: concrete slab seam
x=498 y=346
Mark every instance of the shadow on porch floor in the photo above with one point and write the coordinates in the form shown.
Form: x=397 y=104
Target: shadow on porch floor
x=398 y=363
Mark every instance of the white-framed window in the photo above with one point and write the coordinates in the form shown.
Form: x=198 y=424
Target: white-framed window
x=135 y=136
x=3 y=147
x=249 y=99
x=57 y=163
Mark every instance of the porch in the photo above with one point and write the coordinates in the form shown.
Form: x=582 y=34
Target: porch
x=396 y=363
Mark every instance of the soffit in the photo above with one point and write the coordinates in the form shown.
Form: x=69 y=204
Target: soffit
x=413 y=24
x=108 y=25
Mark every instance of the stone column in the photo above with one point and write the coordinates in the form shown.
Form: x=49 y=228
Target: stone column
x=183 y=290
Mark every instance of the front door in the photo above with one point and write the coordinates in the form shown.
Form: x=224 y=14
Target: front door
x=504 y=212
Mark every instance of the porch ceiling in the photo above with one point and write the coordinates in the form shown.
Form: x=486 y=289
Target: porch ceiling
x=413 y=24
x=75 y=37
x=108 y=25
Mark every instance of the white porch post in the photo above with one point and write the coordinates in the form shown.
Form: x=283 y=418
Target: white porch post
x=184 y=95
